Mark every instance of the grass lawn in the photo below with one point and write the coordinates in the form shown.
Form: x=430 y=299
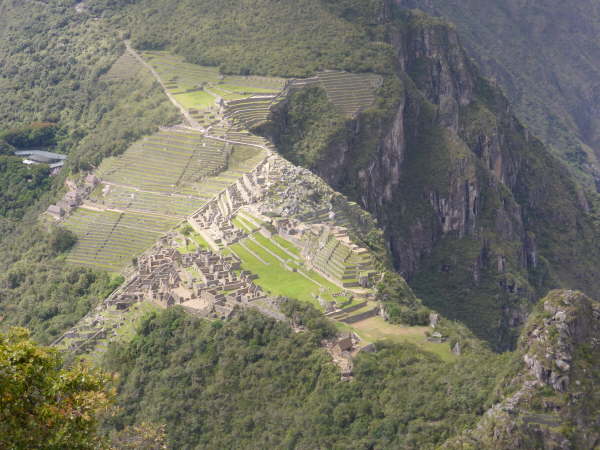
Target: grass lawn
x=227 y=95
x=197 y=99
x=197 y=241
x=265 y=242
x=247 y=89
x=274 y=278
x=243 y=154
x=241 y=225
x=287 y=245
x=376 y=329
x=252 y=218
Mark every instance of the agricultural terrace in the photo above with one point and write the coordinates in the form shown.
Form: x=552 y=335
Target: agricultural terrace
x=250 y=112
x=145 y=192
x=109 y=240
x=125 y=67
x=200 y=89
x=336 y=258
x=168 y=162
x=350 y=92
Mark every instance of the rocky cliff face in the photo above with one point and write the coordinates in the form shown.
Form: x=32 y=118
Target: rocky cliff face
x=479 y=217
x=546 y=56
x=555 y=402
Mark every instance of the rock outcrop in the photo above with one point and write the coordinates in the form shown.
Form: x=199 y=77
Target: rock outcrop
x=555 y=400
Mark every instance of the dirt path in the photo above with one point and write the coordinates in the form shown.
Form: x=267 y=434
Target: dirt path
x=189 y=119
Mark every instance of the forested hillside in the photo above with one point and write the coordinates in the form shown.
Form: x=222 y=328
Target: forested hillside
x=480 y=217
x=52 y=61
x=546 y=57
x=237 y=35
x=254 y=383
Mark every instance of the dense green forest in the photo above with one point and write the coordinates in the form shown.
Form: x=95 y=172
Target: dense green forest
x=300 y=38
x=253 y=383
x=62 y=84
x=39 y=134
x=20 y=185
x=38 y=290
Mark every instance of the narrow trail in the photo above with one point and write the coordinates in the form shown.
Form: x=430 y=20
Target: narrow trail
x=189 y=119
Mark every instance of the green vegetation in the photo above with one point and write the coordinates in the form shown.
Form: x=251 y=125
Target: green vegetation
x=168 y=162
x=153 y=186
x=376 y=329
x=252 y=382
x=317 y=124
x=323 y=132
x=272 y=277
x=549 y=83
x=192 y=240
x=279 y=38
x=91 y=118
x=21 y=185
x=34 y=135
x=109 y=240
x=196 y=88
x=199 y=99
x=37 y=289
x=44 y=405
x=294 y=281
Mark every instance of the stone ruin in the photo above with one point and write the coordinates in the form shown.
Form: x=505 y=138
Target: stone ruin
x=329 y=250
x=74 y=197
x=214 y=218
x=203 y=282
x=342 y=349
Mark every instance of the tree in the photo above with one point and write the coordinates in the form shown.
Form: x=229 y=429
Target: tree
x=62 y=240
x=42 y=404
x=186 y=230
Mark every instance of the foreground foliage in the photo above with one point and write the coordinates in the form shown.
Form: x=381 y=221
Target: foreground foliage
x=43 y=404
x=254 y=383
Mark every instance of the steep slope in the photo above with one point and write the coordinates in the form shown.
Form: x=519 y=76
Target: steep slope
x=545 y=55
x=479 y=216
x=555 y=400
x=252 y=382
x=283 y=38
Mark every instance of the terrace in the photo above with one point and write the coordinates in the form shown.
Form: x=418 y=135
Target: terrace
x=349 y=92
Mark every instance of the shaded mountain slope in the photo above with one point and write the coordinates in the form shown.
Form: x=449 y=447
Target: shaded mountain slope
x=546 y=56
